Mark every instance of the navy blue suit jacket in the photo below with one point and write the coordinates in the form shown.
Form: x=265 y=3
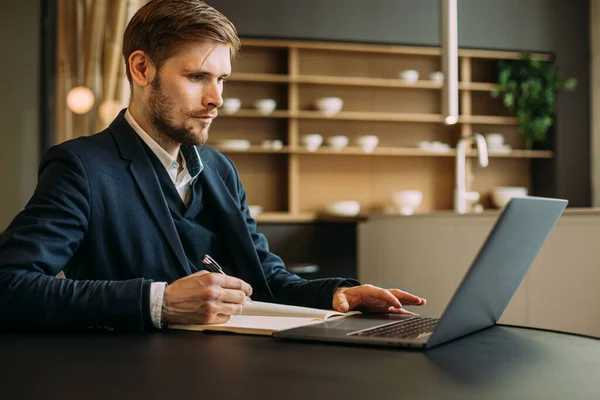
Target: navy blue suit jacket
x=99 y=214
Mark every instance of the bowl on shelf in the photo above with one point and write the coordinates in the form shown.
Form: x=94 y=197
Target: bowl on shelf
x=406 y=201
x=312 y=141
x=233 y=144
x=265 y=106
x=437 y=76
x=329 y=105
x=231 y=105
x=494 y=140
x=338 y=142
x=255 y=210
x=346 y=208
x=272 y=144
x=501 y=195
x=409 y=75
x=434 y=146
x=367 y=142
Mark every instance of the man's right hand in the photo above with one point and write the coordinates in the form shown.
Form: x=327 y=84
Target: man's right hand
x=204 y=298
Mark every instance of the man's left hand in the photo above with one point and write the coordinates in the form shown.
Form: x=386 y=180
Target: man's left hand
x=374 y=299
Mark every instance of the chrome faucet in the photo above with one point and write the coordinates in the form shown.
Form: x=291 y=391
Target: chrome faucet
x=461 y=196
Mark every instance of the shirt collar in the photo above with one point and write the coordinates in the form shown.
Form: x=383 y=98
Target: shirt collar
x=192 y=160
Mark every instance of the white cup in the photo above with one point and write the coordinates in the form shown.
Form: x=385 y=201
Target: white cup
x=338 y=142
x=437 y=76
x=409 y=75
x=367 y=142
x=495 y=140
x=329 y=105
x=265 y=106
x=231 y=105
x=312 y=141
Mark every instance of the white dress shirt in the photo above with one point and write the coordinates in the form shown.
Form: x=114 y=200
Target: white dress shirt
x=182 y=181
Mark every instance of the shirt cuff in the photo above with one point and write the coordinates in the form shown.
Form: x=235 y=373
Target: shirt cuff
x=157 y=292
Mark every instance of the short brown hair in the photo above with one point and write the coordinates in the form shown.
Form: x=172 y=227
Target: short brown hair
x=161 y=26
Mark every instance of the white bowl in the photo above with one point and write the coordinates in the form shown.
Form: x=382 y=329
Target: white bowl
x=234 y=144
x=312 y=141
x=338 y=142
x=329 y=105
x=495 y=140
x=437 y=76
x=255 y=210
x=265 y=106
x=409 y=75
x=348 y=208
x=407 y=201
x=501 y=195
x=231 y=105
x=367 y=142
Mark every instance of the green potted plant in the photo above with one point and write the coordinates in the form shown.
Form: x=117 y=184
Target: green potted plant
x=528 y=89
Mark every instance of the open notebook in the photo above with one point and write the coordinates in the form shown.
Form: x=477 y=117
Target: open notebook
x=259 y=318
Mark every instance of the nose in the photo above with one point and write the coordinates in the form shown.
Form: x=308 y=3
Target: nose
x=212 y=96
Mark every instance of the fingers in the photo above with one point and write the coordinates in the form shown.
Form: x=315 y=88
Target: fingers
x=340 y=302
x=408 y=299
x=227 y=282
x=379 y=294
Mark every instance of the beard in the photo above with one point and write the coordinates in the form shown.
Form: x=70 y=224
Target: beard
x=160 y=112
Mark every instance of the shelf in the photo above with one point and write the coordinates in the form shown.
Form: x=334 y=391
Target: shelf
x=477 y=86
x=363 y=81
x=520 y=153
x=255 y=114
x=355 y=81
x=488 y=120
x=286 y=217
x=389 y=151
x=253 y=150
x=379 y=151
x=374 y=116
x=253 y=77
x=371 y=116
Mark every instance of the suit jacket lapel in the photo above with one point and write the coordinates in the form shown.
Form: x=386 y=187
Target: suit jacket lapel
x=141 y=168
x=246 y=262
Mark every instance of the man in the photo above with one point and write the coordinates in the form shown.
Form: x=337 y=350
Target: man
x=130 y=212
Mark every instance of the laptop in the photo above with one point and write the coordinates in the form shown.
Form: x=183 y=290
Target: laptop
x=481 y=298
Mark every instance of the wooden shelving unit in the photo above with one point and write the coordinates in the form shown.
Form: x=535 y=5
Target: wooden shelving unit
x=294 y=184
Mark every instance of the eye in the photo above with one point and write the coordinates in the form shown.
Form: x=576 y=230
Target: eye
x=196 y=77
x=222 y=80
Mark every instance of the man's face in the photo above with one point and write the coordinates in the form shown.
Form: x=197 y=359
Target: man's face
x=187 y=90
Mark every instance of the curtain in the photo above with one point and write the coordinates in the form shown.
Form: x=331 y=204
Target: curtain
x=91 y=85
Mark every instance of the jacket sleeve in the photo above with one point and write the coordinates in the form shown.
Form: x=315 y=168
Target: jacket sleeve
x=39 y=243
x=286 y=287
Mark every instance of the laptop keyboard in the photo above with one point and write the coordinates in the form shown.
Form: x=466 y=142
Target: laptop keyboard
x=407 y=328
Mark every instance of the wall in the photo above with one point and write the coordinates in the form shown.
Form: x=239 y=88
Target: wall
x=19 y=80
x=556 y=26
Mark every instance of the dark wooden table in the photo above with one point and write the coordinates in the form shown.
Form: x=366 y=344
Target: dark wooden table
x=498 y=363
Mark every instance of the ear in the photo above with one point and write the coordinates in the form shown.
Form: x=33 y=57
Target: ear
x=141 y=67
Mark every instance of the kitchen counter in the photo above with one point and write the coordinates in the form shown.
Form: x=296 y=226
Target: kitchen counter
x=428 y=254
x=451 y=213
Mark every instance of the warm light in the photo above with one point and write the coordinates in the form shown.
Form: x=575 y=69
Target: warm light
x=80 y=99
x=108 y=110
